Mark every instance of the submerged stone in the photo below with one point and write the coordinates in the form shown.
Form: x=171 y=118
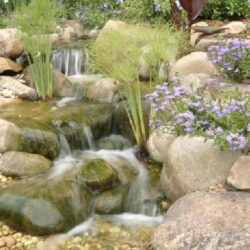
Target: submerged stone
x=49 y=207
x=112 y=201
x=113 y=142
x=99 y=175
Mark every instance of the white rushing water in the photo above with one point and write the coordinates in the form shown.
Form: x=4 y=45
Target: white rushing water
x=68 y=61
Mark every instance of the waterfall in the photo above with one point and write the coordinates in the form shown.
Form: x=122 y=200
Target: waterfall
x=69 y=61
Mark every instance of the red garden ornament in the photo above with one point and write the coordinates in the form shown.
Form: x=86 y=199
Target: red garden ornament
x=193 y=8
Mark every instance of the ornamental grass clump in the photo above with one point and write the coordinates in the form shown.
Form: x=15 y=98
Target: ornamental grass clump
x=225 y=119
x=36 y=21
x=231 y=58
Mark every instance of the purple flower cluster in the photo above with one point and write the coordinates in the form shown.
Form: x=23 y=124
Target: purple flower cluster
x=226 y=56
x=236 y=141
x=227 y=120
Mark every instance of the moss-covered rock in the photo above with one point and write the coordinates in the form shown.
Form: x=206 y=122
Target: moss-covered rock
x=112 y=201
x=46 y=208
x=99 y=175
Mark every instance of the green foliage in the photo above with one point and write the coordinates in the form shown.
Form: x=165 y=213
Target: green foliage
x=117 y=53
x=146 y=10
x=36 y=21
x=226 y=9
x=96 y=13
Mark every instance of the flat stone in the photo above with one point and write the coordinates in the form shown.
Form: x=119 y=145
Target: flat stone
x=17 y=88
x=7 y=65
x=208 y=29
x=239 y=175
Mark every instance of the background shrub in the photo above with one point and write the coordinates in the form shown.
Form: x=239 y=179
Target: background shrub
x=226 y=9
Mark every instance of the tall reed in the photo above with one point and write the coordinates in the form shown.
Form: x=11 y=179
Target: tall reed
x=136 y=114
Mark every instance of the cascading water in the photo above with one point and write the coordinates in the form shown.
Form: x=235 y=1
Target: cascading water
x=72 y=61
x=68 y=61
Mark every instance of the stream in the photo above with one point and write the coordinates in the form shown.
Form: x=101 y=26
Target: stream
x=97 y=194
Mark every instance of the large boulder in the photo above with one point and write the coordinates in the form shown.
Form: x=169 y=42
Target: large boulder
x=17 y=89
x=194 y=63
x=9 y=136
x=61 y=84
x=10 y=43
x=158 y=145
x=239 y=175
x=194 y=164
x=103 y=91
x=206 y=221
x=9 y=66
x=21 y=164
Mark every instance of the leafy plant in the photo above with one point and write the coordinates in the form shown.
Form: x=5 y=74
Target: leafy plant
x=231 y=58
x=226 y=9
x=36 y=21
x=225 y=119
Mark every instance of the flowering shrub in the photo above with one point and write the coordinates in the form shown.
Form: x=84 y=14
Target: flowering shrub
x=226 y=120
x=231 y=58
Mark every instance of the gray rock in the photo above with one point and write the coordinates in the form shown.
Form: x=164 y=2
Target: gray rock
x=10 y=43
x=17 y=88
x=103 y=91
x=206 y=221
x=239 y=175
x=193 y=164
x=194 y=63
x=9 y=136
x=8 y=66
x=158 y=145
x=20 y=164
